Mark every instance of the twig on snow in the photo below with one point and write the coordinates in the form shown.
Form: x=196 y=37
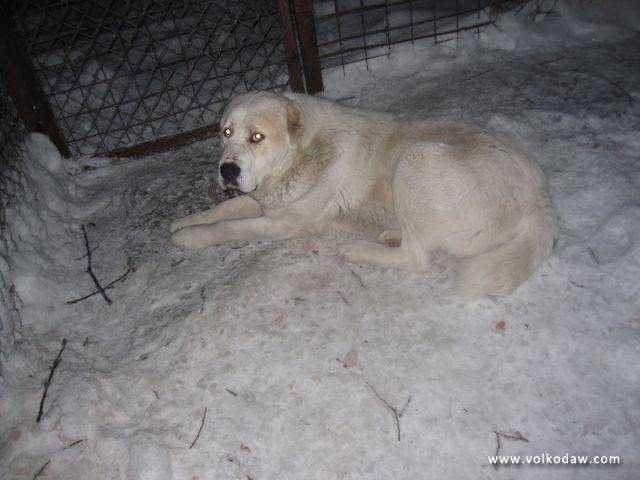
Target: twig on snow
x=73 y=444
x=397 y=415
x=593 y=255
x=107 y=287
x=622 y=90
x=56 y=362
x=358 y=277
x=177 y=262
x=405 y=407
x=343 y=297
x=479 y=74
x=204 y=415
x=41 y=469
x=84 y=254
x=517 y=436
x=39 y=472
x=89 y=269
x=548 y=62
x=203 y=298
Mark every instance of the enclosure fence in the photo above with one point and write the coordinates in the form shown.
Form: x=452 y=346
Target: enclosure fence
x=11 y=190
x=117 y=76
x=358 y=31
x=125 y=72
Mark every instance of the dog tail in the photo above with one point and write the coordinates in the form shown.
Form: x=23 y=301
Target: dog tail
x=499 y=271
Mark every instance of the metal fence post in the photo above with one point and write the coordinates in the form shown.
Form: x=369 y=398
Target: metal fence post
x=23 y=86
x=301 y=45
x=308 y=45
x=290 y=46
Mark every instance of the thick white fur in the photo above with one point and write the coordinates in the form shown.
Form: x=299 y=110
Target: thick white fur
x=417 y=186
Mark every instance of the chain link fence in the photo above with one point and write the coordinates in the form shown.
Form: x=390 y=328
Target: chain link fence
x=11 y=132
x=352 y=31
x=121 y=73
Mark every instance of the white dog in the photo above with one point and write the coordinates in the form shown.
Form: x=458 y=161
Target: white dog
x=308 y=165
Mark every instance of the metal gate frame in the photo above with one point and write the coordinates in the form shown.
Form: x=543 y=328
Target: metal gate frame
x=35 y=110
x=30 y=101
x=301 y=52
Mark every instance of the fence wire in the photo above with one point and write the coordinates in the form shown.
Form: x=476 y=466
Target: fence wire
x=120 y=72
x=352 y=31
x=11 y=133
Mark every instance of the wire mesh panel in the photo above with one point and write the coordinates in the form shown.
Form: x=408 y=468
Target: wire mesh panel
x=123 y=72
x=11 y=192
x=351 y=31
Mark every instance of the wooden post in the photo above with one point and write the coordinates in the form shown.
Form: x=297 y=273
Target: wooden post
x=22 y=84
x=308 y=45
x=290 y=49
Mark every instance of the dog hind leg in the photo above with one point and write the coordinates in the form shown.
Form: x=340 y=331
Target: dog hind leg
x=501 y=270
x=379 y=255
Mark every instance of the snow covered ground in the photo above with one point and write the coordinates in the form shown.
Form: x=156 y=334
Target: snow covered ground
x=299 y=359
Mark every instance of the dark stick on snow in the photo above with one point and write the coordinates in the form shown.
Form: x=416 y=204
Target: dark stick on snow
x=73 y=444
x=509 y=435
x=178 y=262
x=89 y=270
x=84 y=255
x=204 y=415
x=479 y=74
x=593 y=255
x=548 y=62
x=405 y=407
x=343 y=297
x=231 y=392
x=359 y=278
x=39 y=472
x=107 y=287
x=396 y=415
x=56 y=362
x=621 y=89
x=203 y=298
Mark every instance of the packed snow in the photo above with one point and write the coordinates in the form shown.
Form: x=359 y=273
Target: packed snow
x=276 y=360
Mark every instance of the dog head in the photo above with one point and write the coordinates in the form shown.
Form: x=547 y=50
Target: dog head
x=259 y=133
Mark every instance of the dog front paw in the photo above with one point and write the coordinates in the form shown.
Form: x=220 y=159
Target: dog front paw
x=194 y=237
x=390 y=238
x=178 y=238
x=349 y=252
x=178 y=224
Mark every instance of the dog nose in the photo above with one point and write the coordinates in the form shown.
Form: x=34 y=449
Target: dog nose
x=229 y=171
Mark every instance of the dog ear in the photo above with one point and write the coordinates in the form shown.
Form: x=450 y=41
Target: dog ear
x=294 y=118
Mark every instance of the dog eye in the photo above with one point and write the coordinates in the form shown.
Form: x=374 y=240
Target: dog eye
x=226 y=132
x=257 y=137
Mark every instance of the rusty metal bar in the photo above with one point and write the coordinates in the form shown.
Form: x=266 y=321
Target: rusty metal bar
x=291 y=52
x=23 y=86
x=308 y=45
x=165 y=143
